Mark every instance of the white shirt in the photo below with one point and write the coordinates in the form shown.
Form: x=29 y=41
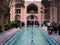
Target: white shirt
x=48 y=24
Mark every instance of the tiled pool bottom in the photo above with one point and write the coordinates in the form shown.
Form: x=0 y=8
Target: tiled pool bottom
x=30 y=36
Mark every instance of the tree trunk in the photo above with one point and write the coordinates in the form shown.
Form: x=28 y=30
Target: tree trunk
x=52 y=10
x=2 y=23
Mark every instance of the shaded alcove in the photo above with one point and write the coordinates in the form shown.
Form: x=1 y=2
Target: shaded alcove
x=32 y=20
x=32 y=7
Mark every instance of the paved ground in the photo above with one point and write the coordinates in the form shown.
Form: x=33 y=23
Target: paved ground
x=55 y=36
x=8 y=34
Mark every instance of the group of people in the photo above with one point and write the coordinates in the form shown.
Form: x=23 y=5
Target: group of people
x=28 y=23
x=54 y=27
x=22 y=24
x=32 y=23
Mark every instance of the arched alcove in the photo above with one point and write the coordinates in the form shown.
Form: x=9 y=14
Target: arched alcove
x=32 y=7
x=32 y=20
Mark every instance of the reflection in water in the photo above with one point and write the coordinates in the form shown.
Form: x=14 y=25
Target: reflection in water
x=32 y=41
x=31 y=37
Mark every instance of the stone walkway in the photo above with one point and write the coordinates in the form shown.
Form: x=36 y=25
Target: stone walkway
x=55 y=36
x=8 y=34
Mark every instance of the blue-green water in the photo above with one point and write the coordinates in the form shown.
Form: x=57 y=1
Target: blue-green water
x=31 y=36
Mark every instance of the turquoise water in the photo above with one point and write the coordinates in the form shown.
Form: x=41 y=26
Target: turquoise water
x=31 y=36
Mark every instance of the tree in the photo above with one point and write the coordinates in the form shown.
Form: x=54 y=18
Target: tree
x=46 y=3
x=3 y=7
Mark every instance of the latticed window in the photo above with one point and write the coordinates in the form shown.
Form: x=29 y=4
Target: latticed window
x=17 y=5
x=17 y=11
x=47 y=11
x=47 y=17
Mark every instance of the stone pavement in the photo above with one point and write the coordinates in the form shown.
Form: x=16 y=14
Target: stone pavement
x=54 y=36
x=8 y=34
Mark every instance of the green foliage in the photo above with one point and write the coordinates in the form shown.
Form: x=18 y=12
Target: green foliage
x=45 y=23
x=18 y=21
x=51 y=25
x=10 y=25
x=6 y=26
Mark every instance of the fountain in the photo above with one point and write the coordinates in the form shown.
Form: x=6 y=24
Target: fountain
x=32 y=41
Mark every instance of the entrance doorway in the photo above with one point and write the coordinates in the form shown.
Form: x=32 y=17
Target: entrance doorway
x=32 y=20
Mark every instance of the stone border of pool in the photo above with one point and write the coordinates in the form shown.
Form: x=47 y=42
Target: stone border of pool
x=13 y=38
x=51 y=40
x=53 y=35
x=7 y=34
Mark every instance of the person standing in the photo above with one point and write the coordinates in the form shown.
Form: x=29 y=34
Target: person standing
x=49 y=28
x=48 y=25
x=59 y=28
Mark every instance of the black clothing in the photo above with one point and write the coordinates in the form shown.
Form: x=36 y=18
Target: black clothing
x=59 y=30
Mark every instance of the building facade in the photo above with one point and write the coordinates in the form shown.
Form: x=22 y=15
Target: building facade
x=52 y=10
x=29 y=11
x=32 y=11
x=57 y=3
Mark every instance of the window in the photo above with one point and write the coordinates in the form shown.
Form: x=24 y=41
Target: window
x=47 y=17
x=41 y=11
x=47 y=11
x=17 y=11
x=17 y=17
x=17 y=5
